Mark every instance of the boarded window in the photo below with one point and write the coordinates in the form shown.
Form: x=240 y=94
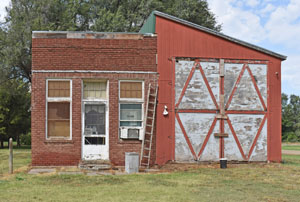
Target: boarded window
x=94 y=120
x=94 y=90
x=58 y=119
x=131 y=115
x=131 y=90
x=58 y=88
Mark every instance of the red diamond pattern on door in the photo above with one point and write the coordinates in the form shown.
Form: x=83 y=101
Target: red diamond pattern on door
x=220 y=97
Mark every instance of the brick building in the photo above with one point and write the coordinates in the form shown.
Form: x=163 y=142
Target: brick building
x=221 y=95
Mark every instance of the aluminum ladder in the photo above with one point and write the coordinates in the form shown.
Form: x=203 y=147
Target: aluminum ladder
x=149 y=121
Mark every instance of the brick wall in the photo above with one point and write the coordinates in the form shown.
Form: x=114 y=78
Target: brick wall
x=94 y=54
x=60 y=54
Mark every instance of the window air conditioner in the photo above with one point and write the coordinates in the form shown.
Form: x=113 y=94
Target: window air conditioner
x=131 y=133
x=123 y=133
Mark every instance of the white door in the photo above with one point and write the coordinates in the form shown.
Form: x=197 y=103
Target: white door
x=95 y=133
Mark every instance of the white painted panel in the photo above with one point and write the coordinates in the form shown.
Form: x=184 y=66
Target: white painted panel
x=196 y=126
x=245 y=96
x=95 y=152
x=232 y=72
x=260 y=150
x=212 y=148
x=246 y=127
x=231 y=150
x=259 y=72
x=211 y=71
x=182 y=151
x=182 y=71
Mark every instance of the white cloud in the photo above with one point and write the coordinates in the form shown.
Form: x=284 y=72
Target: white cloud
x=252 y=3
x=290 y=74
x=3 y=4
x=283 y=25
x=267 y=9
x=237 y=22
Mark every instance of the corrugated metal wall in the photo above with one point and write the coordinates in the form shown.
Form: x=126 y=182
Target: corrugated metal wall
x=180 y=41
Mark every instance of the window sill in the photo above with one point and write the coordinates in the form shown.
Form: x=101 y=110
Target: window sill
x=61 y=141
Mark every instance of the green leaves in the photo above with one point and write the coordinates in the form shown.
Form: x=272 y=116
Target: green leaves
x=290 y=118
x=25 y=16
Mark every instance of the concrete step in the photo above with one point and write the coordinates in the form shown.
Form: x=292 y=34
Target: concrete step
x=95 y=165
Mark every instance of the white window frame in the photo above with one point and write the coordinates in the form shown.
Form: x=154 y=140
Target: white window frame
x=58 y=99
x=132 y=101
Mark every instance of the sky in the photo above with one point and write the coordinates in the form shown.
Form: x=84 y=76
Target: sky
x=271 y=24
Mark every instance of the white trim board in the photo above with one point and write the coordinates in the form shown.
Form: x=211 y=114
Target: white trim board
x=92 y=71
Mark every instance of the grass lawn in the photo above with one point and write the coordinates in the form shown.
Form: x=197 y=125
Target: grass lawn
x=291 y=146
x=22 y=158
x=243 y=182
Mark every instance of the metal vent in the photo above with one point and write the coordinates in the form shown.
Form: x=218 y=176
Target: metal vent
x=133 y=133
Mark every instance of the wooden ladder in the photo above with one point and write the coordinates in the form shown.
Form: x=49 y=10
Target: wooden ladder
x=149 y=121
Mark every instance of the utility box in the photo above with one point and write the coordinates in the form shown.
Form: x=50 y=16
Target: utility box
x=131 y=162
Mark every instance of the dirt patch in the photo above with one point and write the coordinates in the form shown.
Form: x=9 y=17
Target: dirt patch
x=173 y=167
x=291 y=152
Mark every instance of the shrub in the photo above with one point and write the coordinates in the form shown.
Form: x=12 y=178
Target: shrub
x=26 y=139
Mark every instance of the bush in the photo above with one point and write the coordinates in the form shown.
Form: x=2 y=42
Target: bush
x=291 y=137
x=26 y=139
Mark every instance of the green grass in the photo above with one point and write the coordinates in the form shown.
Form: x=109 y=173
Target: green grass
x=291 y=147
x=22 y=158
x=293 y=160
x=243 y=182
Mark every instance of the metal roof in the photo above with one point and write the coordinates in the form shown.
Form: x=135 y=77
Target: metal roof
x=150 y=27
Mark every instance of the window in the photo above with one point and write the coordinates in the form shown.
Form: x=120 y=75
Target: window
x=94 y=119
x=131 y=104
x=58 y=109
x=131 y=90
x=131 y=115
x=95 y=102
x=94 y=90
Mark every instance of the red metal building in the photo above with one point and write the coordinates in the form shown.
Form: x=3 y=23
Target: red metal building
x=217 y=96
x=223 y=95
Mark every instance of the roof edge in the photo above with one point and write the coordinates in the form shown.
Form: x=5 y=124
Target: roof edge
x=89 y=35
x=213 y=32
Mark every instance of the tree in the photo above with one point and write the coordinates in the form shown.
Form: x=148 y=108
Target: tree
x=290 y=118
x=14 y=110
x=24 y=16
